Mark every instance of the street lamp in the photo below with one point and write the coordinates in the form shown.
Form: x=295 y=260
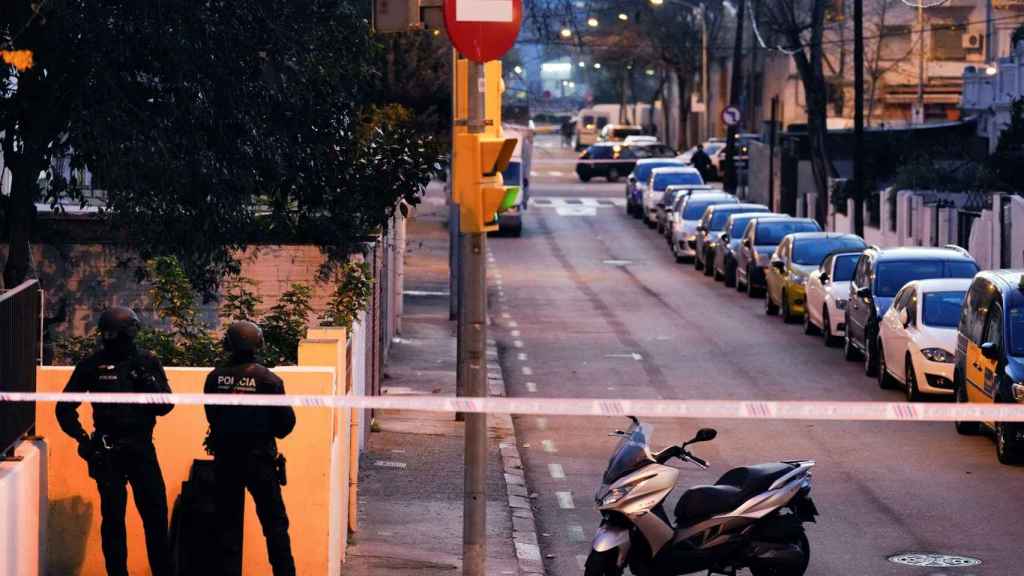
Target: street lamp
x=566 y=33
x=623 y=16
x=597 y=65
x=518 y=69
x=582 y=64
x=592 y=22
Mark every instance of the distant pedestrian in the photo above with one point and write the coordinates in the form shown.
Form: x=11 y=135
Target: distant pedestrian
x=567 y=129
x=242 y=441
x=702 y=162
x=120 y=450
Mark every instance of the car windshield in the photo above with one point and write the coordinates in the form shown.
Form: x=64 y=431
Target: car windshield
x=711 y=149
x=942 y=309
x=891 y=276
x=697 y=205
x=621 y=133
x=721 y=216
x=511 y=174
x=669 y=199
x=643 y=171
x=811 y=251
x=631 y=453
x=771 y=233
x=662 y=181
x=1015 y=330
x=844 y=267
x=599 y=152
x=738 y=226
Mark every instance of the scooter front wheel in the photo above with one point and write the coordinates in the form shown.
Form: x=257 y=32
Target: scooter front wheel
x=603 y=563
x=796 y=568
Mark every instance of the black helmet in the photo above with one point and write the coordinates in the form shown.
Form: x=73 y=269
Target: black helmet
x=118 y=322
x=243 y=336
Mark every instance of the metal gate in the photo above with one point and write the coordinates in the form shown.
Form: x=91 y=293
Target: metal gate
x=964 y=221
x=20 y=353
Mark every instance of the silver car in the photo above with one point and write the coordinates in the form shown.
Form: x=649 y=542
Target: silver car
x=727 y=250
x=689 y=211
x=710 y=228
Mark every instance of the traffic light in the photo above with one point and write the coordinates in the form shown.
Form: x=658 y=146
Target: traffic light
x=476 y=183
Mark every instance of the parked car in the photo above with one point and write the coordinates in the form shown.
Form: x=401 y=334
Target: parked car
x=640 y=139
x=687 y=217
x=917 y=337
x=666 y=207
x=796 y=256
x=638 y=180
x=659 y=180
x=727 y=250
x=828 y=289
x=711 y=227
x=609 y=160
x=880 y=274
x=988 y=366
x=760 y=238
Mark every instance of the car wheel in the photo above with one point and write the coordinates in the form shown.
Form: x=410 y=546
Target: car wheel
x=709 y=268
x=697 y=265
x=910 y=381
x=1008 y=447
x=718 y=276
x=648 y=222
x=730 y=275
x=963 y=427
x=787 y=314
x=675 y=252
x=809 y=328
x=884 y=379
x=870 y=355
x=826 y=328
x=584 y=176
x=660 y=227
x=613 y=175
x=638 y=212
x=769 y=307
x=751 y=291
x=850 y=351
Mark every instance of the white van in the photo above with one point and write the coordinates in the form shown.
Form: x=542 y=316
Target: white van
x=589 y=123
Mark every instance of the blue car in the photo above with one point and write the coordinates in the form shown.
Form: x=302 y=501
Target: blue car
x=638 y=178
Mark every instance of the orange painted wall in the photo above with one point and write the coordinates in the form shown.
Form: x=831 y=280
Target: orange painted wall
x=73 y=523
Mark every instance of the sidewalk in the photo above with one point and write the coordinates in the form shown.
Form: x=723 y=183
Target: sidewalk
x=411 y=475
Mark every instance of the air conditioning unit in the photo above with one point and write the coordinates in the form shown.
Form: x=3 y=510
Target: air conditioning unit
x=973 y=41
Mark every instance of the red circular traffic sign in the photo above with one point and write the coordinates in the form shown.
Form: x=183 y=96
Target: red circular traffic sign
x=483 y=30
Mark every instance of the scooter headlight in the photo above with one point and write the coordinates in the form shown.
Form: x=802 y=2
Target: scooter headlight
x=614 y=495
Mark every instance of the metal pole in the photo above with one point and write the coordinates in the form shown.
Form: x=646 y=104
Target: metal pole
x=735 y=92
x=704 y=70
x=771 y=152
x=920 y=61
x=858 y=117
x=474 y=330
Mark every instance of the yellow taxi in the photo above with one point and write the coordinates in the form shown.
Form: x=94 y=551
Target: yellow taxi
x=796 y=256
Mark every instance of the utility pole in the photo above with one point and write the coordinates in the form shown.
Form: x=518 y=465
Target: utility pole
x=919 y=116
x=474 y=331
x=858 y=117
x=772 y=137
x=735 y=87
x=704 y=70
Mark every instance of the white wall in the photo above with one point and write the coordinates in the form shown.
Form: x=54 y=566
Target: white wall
x=22 y=502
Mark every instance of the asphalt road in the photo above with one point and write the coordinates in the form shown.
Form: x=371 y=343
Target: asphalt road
x=592 y=304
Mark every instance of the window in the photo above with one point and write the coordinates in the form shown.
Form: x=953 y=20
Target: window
x=942 y=309
x=912 y=308
x=994 y=326
x=695 y=207
x=772 y=232
x=601 y=122
x=861 y=275
x=897 y=42
x=947 y=41
x=810 y=251
x=892 y=275
x=843 y=270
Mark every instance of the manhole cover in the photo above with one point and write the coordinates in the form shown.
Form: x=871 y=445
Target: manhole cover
x=925 y=560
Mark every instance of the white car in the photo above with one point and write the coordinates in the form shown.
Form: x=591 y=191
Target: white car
x=660 y=179
x=827 y=290
x=917 y=337
x=640 y=140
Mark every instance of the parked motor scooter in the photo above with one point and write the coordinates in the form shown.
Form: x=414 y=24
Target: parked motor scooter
x=751 y=518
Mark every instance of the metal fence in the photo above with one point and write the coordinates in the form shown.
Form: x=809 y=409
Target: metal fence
x=20 y=352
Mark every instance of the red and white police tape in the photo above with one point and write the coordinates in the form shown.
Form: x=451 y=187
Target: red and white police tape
x=733 y=409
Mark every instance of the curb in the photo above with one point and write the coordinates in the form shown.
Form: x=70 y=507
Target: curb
x=524 y=526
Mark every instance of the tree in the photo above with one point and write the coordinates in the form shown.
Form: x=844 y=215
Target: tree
x=798 y=28
x=207 y=126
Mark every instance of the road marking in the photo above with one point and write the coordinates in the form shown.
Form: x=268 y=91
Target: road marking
x=618 y=263
x=527 y=371
x=632 y=355
x=576 y=211
x=514 y=333
x=389 y=464
x=555 y=173
x=512 y=324
x=565 y=500
x=576 y=533
x=556 y=471
x=556 y=201
x=517 y=343
x=506 y=315
x=549 y=446
x=521 y=356
x=531 y=386
x=542 y=422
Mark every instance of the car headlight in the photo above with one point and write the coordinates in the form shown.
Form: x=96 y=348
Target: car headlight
x=1018 y=391
x=937 y=355
x=798 y=279
x=712 y=244
x=615 y=494
x=840 y=304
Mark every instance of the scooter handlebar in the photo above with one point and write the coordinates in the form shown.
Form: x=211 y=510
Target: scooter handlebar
x=698 y=461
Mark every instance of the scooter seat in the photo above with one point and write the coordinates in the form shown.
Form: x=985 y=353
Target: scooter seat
x=703 y=502
x=753 y=479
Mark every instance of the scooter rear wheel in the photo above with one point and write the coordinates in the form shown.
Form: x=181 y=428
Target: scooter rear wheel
x=795 y=570
x=603 y=564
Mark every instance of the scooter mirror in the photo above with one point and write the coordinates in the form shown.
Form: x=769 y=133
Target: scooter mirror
x=705 y=435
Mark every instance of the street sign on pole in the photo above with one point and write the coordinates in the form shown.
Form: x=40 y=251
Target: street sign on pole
x=731 y=116
x=483 y=30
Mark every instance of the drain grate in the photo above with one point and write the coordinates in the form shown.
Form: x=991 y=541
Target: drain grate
x=929 y=560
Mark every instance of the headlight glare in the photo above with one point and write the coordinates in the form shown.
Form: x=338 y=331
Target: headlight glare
x=937 y=355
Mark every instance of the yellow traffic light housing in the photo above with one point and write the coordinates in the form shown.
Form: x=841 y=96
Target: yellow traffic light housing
x=477 y=183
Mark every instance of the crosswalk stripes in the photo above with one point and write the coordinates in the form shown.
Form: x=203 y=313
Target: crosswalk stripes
x=560 y=202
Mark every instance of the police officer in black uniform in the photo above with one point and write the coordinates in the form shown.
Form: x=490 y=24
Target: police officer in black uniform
x=121 y=450
x=242 y=441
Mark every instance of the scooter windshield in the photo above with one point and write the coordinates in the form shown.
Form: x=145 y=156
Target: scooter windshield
x=631 y=453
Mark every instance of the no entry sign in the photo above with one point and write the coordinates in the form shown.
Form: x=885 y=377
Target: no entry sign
x=483 y=30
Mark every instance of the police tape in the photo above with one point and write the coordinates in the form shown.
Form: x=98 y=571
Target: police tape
x=709 y=409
